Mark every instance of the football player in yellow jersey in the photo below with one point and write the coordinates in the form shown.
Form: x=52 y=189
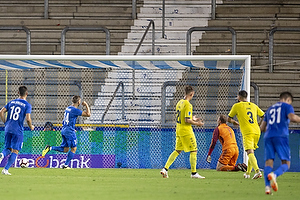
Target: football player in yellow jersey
x=185 y=137
x=246 y=113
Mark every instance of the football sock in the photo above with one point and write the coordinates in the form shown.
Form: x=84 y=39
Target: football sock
x=267 y=171
x=249 y=168
x=228 y=168
x=193 y=161
x=11 y=160
x=60 y=149
x=6 y=152
x=171 y=159
x=253 y=161
x=283 y=168
x=69 y=158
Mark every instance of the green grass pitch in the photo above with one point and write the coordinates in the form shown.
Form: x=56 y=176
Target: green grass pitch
x=122 y=184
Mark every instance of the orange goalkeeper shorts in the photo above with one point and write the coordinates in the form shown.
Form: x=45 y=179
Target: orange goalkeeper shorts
x=229 y=156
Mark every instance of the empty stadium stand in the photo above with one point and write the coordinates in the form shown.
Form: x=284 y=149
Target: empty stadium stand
x=253 y=20
x=115 y=15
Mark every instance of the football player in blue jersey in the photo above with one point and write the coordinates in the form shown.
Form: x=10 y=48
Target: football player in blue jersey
x=275 y=126
x=68 y=134
x=17 y=110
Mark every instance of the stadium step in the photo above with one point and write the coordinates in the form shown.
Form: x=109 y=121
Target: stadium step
x=180 y=17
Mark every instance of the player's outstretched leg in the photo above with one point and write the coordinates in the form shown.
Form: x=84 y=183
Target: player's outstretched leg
x=164 y=173
x=273 y=182
x=46 y=150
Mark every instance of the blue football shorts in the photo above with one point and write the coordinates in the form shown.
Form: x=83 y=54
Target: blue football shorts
x=13 y=141
x=279 y=145
x=69 y=141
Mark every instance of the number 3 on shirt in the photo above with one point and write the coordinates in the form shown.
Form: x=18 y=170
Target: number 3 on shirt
x=251 y=117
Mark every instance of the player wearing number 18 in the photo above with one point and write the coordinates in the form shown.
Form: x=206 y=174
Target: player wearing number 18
x=18 y=110
x=246 y=113
x=68 y=134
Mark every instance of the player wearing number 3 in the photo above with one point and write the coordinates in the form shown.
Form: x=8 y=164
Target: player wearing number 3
x=68 y=134
x=276 y=128
x=185 y=137
x=246 y=113
x=18 y=110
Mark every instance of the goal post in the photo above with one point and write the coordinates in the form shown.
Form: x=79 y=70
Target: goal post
x=132 y=101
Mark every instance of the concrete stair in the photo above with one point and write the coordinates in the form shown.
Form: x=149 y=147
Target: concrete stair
x=142 y=108
x=180 y=16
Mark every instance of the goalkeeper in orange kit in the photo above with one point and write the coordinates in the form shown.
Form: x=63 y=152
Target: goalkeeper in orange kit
x=230 y=151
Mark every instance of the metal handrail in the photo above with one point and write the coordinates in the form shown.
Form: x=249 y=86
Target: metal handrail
x=111 y=100
x=271 y=43
x=213 y=9
x=46 y=9
x=256 y=92
x=133 y=9
x=19 y=28
x=163 y=19
x=66 y=29
x=151 y=22
x=189 y=33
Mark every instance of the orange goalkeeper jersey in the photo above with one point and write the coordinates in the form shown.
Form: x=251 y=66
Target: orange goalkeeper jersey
x=226 y=136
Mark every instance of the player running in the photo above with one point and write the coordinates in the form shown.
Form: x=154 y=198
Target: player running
x=68 y=134
x=275 y=125
x=246 y=113
x=230 y=150
x=18 y=110
x=185 y=137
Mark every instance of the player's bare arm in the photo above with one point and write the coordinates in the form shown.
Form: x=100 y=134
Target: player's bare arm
x=294 y=118
x=2 y=116
x=230 y=120
x=191 y=121
x=263 y=126
x=86 y=113
x=261 y=120
x=29 y=122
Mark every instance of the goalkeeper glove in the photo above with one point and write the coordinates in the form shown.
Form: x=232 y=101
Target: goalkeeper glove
x=208 y=159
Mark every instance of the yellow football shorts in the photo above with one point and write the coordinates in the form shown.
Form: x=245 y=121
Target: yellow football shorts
x=250 y=141
x=186 y=143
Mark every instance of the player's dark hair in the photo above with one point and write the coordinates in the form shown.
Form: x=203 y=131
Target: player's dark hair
x=75 y=99
x=223 y=119
x=243 y=94
x=22 y=90
x=188 y=89
x=285 y=95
